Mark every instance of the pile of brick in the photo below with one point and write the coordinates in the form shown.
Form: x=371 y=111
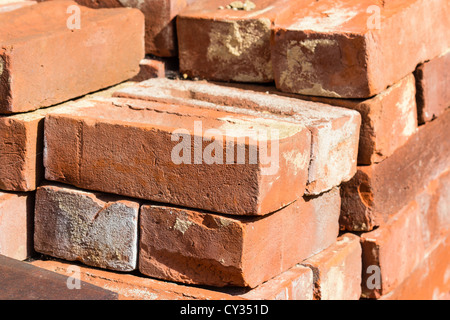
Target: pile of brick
x=301 y=153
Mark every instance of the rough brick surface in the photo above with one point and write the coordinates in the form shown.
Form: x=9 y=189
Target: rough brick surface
x=98 y=230
x=396 y=248
x=337 y=270
x=150 y=68
x=34 y=67
x=16 y=210
x=201 y=248
x=337 y=49
x=433 y=87
x=127 y=147
x=226 y=44
x=430 y=279
x=160 y=31
x=293 y=284
x=334 y=131
x=6 y=6
x=383 y=189
x=388 y=119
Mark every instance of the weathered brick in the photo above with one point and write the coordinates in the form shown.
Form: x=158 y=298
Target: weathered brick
x=409 y=236
x=203 y=248
x=96 y=229
x=16 y=212
x=337 y=48
x=293 y=284
x=160 y=28
x=430 y=279
x=135 y=287
x=23 y=281
x=225 y=44
x=34 y=66
x=337 y=270
x=150 y=68
x=388 y=119
x=433 y=87
x=395 y=248
x=335 y=131
x=383 y=189
x=131 y=148
x=10 y=5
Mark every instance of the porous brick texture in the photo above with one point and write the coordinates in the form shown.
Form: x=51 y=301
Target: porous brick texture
x=37 y=71
x=225 y=150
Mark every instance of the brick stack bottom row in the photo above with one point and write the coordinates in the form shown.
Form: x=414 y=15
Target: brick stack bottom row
x=191 y=189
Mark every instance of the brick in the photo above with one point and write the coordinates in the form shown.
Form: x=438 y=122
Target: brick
x=11 y=5
x=433 y=82
x=388 y=119
x=293 y=284
x=411 y=235
x=381 y=190
x=396 y=248
x=203 y=248
x=96 y=229
x=23 y=281
x=227 y=45
x=160 y=28
x=337 y=270
x=114 y=145
x=334 y=131
x=336 y=49
x=31 y=40
x=150 y=68
x=16 y=211
x=135 y=287
x=430 y=279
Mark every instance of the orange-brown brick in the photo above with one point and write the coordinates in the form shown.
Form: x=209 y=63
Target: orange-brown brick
x=337 y=49
x=37 y=71
x=16 y=215
x=201 y=248
x=337 y=270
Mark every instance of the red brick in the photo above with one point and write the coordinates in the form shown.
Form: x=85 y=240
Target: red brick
x=113 y=145
x=135 y=287
x=16 y=211
x=408 y=238
x=396 y=248
x=227 y=44
x=150 y=68
x=96 y=229
x=203 y=248
x=430 y=280
x=332 y=48
x=293 y=284
x=388 y=119
x=160 y=29
x=35 y=71
x=337 y=270
x=433 y=87
x=381 y=190
x=11 y=5
x=335 y=131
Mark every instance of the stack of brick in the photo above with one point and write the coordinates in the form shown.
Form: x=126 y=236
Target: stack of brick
x=43 y=62
x=236 y=182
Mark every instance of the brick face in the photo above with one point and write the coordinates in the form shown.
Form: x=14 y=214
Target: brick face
x=381 y=190
x=200 y=248
x=143 y=136
x=334 y=131
x=25 y=48
x=367 y=58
